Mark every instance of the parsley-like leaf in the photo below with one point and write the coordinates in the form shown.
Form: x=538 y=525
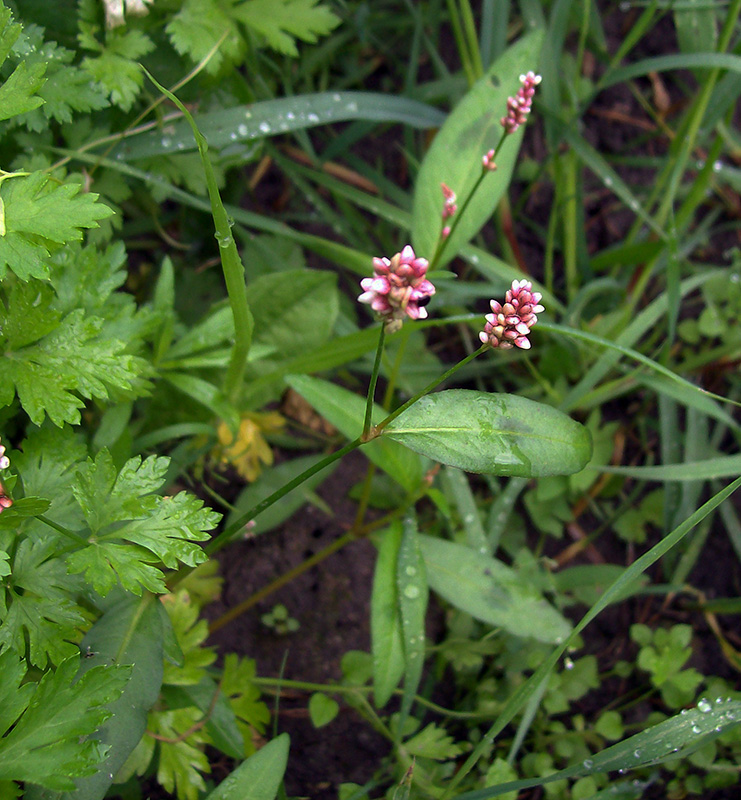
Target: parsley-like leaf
x=199 y=26
x=132 y=529
x=45 y=724
x=48 y=359
x=37 y=214
x=116 y=67
x=36 y=604
x=19 y=91
x=281 y=22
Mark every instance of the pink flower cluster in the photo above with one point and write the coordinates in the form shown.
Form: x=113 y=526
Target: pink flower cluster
x=518 y=107
x=449 y=207
x=5 y=501
x=398 y=288
x=487 y=161
x=509 y=324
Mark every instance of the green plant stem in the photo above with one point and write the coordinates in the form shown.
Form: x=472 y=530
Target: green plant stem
x=64 y=531
x=394 y=414
x=469 y=30
x=372 y=386
x=442 y=243
x=461 y=43
x=231 y=263
x=281 y=581
x=227 y=534
x=333 y=688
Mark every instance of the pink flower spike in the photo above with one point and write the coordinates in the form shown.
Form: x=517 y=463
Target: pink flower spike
x=511 y=322
x=399 y=288
x=449 y=204
x=488 y=161
x=518 y=107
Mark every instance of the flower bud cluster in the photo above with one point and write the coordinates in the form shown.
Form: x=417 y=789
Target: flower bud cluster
x=5 y=501
x=510 y=323
x=487 y=161
x=518 y=107
x=398 y=288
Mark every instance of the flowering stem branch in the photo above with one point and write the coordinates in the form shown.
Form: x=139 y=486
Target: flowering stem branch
x=443 y=242
x=394 y=414
x=372 y=386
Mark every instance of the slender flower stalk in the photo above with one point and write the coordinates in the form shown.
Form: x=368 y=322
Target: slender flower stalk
x=5 y=501
x=518 y=108
x=509 y=323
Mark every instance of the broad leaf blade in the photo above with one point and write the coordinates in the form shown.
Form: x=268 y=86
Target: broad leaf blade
x=501 y=434
x=490 y=591
x=454 y=158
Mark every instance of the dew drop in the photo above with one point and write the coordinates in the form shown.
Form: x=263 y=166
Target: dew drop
x=410 y=571
x=696 y=729
x=265 y=127
x=242 y=130
x=411 y=591
x=608 y=181
x=233 y=136
x=312 y=118
x=290 y=115
x=337 y=97
x=704 y=706
x=717 y=166
x=625 y=7
x=684 y=711
x=165 y=141
x=352 y=107
x=636 y=754
x=247 y=114
x=735 y=278
x=587 y=763
x=568 y=663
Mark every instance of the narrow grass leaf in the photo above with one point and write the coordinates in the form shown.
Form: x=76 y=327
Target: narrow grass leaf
x=275 y=117
x=521 y=696
x=703 y=61
x=667 y=740
x=709 y=469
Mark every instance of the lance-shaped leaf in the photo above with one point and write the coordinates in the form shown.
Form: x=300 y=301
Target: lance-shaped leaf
x=490 y=591
x=454 y=158
x=500 y=434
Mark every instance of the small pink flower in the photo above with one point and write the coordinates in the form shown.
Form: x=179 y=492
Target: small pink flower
x=518 y=107
x=445 y=232
x=510 y=323
x=488 y=161
x=398 y=288
x=449 y=206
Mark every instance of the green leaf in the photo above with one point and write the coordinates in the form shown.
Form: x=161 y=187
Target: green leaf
x=346 y=411
x=47 y=744
x=385 y=621
x=39 y=214
x=313 y=301
x=224 y=127
x=490 y=591
x=322 y=709
x=37 y=609
x=413 y=594
x=128 y=633
x=199 y=26
x=454 y=158
x=433 y=742
x=672 y=739
x=19 y=92
x=501 y=434
x=133 y=529
x=709 y=469
x=259 y=777
x=283 y=21
x=116 y=67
